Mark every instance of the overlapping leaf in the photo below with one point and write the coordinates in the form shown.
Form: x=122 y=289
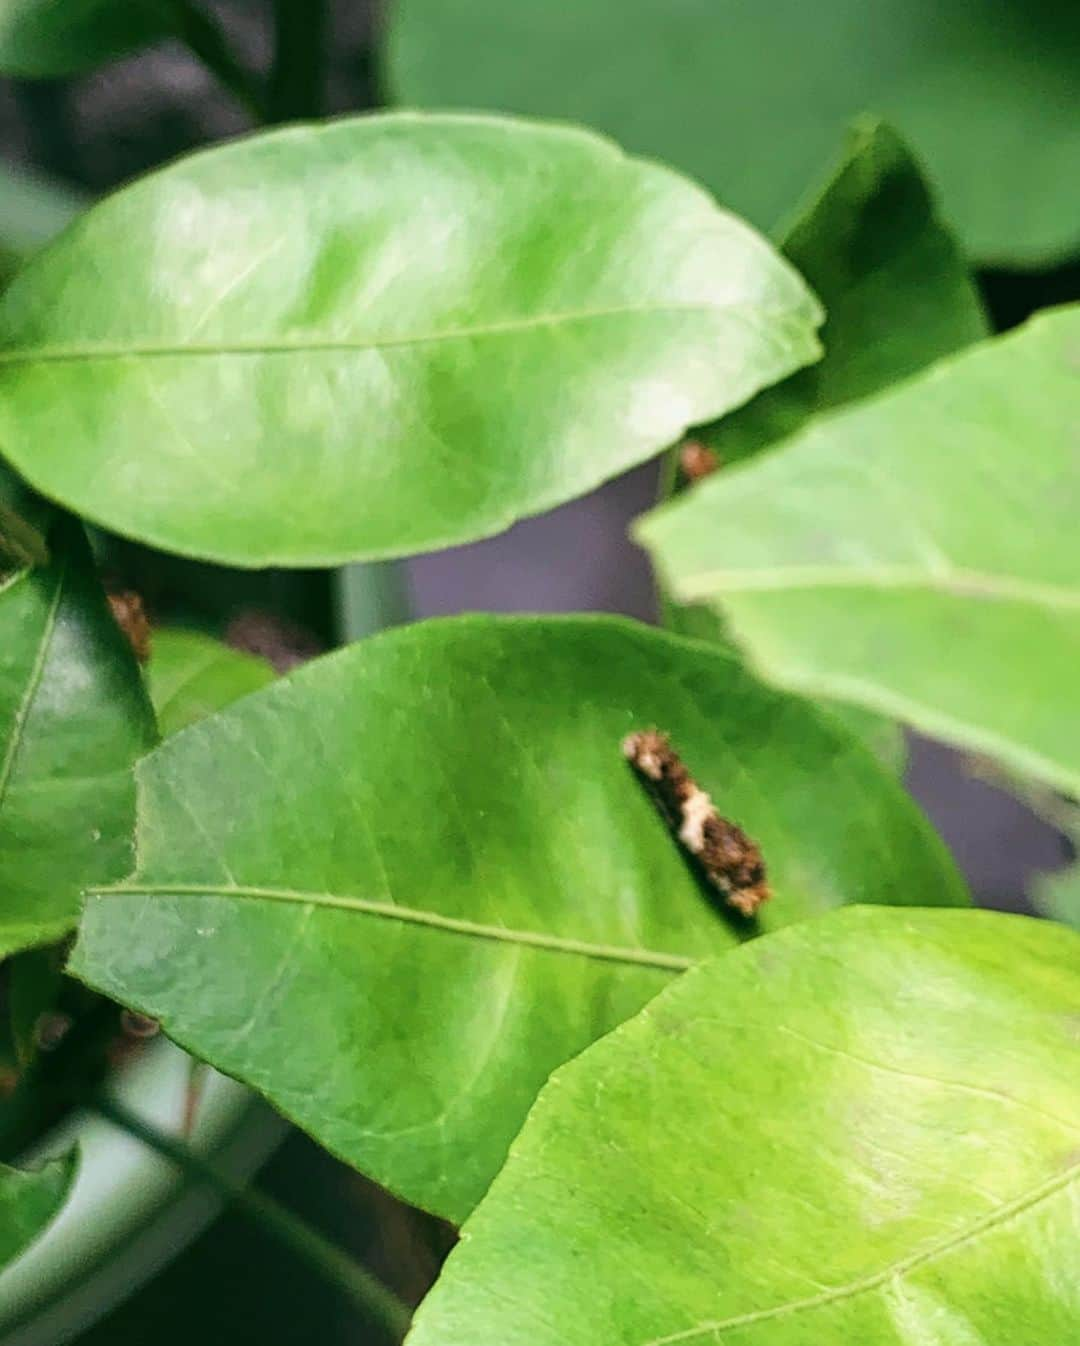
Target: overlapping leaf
x=28 y=1201
x=64 y=37
x=751 y=98
x=377 y=336
x=395 y=889
x=861 y=1129
x=895 y=287
x=73 y=718
x=916 y=553
x=897 y=297
x=190 y=676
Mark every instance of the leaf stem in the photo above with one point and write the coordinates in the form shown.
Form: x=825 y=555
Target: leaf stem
x=298 y=75
x=205 y=39
x=347 y=1275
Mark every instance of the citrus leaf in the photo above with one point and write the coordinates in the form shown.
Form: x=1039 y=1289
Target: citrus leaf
x=29 y=1200
x=190 y=676
x=381 y=335
x=898 y=297
x=916 y=553
x=861 y=1129
x=73 y=718
x=894 y=285
x=751 y=98
x=394 y=889
x=65 y=37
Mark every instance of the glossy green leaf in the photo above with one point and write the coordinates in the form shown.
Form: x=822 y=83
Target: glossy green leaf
x=73 y=718
x=29 y=1200
x=393 y=890
x=381 y=335
x=864 y=1130
x=916 y=553
x=751 y=98
x=895 y=288
x=65 y=37
x=191 y=676
x=897 y=297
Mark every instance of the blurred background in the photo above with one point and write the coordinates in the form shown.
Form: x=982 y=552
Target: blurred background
x=82 y=136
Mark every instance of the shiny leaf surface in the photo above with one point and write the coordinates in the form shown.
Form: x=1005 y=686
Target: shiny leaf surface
x=864 y=1129
x=916 y=553
x=752 y=98
x=393 y=890
x=73 y=718
x=381 y=335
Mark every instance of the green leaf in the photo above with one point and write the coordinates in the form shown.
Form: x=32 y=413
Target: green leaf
x=73 y=718
x=393 y=890
x=191 y=675
x=751 y=98
x=864 y=1130
x=29 y=1200
x=898 y=297
x=895 y=288
x=916 y=553
x=65 y=37
x=380 y=336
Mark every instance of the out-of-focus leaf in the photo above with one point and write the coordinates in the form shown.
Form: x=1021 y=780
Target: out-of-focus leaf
x=35 y=209
x=191 y=676
x=897 y=297
x=751 y=98
x=863 y=1129
x=916 y=553
x=381 y=335
x=65 y=37
x=29 y=1200
x=896 y=291
x=33 y=979
x=73 y=718
x=393 y=890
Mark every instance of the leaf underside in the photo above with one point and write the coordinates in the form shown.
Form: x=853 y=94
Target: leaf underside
x=887 y=554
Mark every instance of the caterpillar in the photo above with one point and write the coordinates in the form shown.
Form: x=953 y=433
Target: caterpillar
x=729 y=860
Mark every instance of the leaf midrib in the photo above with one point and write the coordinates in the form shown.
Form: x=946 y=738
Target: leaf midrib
x=901 y=1267
x=15 y=355
x=611 y=953
x=955 y=582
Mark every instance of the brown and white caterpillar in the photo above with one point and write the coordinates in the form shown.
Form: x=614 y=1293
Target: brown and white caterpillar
x=726 y=856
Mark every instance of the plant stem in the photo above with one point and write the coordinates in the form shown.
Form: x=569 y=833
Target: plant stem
x=370 y=596
x=298 y=74
x=347 y=1275
x=203 y=36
